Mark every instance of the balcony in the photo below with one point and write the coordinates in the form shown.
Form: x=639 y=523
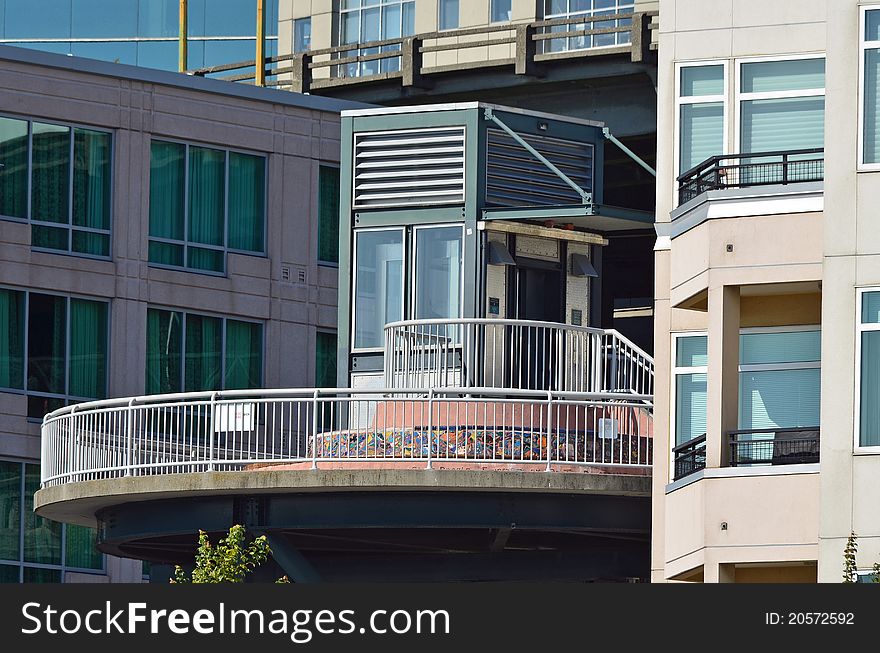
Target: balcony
x=774 y=447
x=689 y=457
x=526 y=47
x=750 y=170
x=523 y=354
x=751 y=448
x=510 y=394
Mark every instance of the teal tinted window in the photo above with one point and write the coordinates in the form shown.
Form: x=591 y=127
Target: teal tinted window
x=328 y=214
x=247 y=201
x=69 y=198
x=782 y=124
x=50 y=173
x=159 y=18
x=13 y=167
x=871 y=135
x=244 y=355
x=690 y=407
x=51 y=545
x=164 y=351
x=191 y=352
x=12 y=336
x=325 y=359
x=28 y=19
x=780 y=347
x=204 y=201
x=87 y=365
x=104 y=18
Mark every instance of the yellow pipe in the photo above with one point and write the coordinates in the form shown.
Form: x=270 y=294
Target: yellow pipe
x=260 y=59
x=182 y=35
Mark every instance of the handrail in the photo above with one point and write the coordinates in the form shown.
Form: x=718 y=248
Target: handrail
x=693 y=442
x=513 y=353
x=712 y=160
x=235 y=430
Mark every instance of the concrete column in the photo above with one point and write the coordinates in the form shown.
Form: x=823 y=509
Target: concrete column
x=719 y=573
x=722 y=391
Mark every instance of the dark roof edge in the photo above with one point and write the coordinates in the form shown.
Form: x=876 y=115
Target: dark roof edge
x=179 y=80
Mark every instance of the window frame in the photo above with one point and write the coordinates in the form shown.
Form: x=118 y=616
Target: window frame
x=676 y=372
x=861 y=328
x=739 y=96
x=680 y=101
x=357 y=49
x=864 y=46
x=66 y=397
x=223 y=317
x=21 y=563
x=69 y=226
x=185 y=243
x=354 y=280
x=589 y=13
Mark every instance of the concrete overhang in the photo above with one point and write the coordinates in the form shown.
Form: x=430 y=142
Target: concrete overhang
x=78 y=502
x=773 y=199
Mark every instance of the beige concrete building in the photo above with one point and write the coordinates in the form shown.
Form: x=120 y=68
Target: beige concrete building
x=765 y=269
x=158 y=233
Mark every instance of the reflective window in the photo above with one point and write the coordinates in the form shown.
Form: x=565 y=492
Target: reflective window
x=224 y=18
x=158 y=54
x=103 y=18
x=328 y=214
x=203 y=202
x=499 y=10
x=81 y=226
x=65 y=358
x=448 y=14
x=27 y=19
x=869 y=370
x=325 y=359
x=302 y=34
x=373 y=21
x=690 y=374
x=588 y=10
x=779 y=379
x=55 y=547
x=870 y=52
x=157 y=18
x=113 y=51
x=438 y=261
x=191 y=352
x=700 y=114
x=378 y=285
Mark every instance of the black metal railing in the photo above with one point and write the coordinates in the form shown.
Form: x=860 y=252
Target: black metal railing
x=752 y=169
x=689 y=457
x=774 y=446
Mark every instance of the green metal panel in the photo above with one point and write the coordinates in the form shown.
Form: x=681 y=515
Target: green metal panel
x=344 y=279
x=408 y=216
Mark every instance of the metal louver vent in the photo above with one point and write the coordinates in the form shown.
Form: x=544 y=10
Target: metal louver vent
x=409 y=167
x=514 y=177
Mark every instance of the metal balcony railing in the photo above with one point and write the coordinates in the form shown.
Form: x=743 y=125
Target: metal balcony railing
x=774 y=446
x=403 y=57
x=689 y=457
x=753 y=169
x=241 y=429
x=522 y=354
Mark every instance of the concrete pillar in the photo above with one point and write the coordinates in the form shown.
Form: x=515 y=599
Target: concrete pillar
x=722 y=391
x=719 y=573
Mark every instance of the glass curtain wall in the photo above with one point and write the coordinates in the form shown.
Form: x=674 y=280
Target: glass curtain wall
x=140 y=32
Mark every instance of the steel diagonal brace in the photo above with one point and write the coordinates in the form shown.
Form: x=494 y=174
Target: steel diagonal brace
x=586 y=198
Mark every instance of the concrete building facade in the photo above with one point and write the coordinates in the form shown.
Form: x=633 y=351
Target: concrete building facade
x=93 y=277
x=763 y=336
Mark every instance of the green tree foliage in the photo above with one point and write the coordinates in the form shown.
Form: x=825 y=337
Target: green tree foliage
x=849 y=561
x=229 y=561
